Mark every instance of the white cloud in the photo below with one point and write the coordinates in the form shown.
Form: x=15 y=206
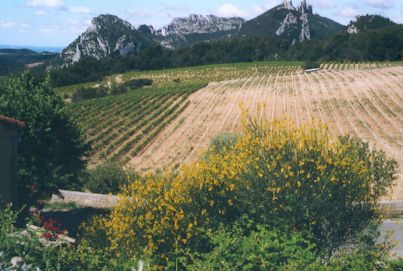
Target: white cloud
x=349 y=12
x=384 y=4
x=61 y=29
x=229 y=10
x=9 y=24
x=56 y=4
x=47 y=30
x=139 y=13
x=41 y=13
x=73 y=22
x=80 y=10
x=6 y=24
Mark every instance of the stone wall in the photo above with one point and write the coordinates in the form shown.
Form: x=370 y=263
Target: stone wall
x=83 y=199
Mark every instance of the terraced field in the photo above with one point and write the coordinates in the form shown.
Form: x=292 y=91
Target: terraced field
x=364 y=102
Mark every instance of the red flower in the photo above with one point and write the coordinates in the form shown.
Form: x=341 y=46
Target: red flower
x=34 y=187
x=47 y=235
x=50 y=236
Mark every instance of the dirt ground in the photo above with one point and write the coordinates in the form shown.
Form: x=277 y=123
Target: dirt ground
x=365 y=103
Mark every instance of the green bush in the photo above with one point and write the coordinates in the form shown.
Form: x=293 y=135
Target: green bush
x=303 y=179
x=238 y=247
x=116 y=89
x=311 y=65
x=89 y=93
x=241 y=248
x=106 y=178
x=259 y=249
x=395 y=265
x=222 y=141
x=138 y=83
x=35 y=255
x=287 y=178
x=51 y=146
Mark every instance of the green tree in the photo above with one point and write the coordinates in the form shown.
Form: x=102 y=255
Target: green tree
x=51 y=148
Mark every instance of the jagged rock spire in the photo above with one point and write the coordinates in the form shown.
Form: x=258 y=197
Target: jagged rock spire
x=304 y=7
x=288 y=4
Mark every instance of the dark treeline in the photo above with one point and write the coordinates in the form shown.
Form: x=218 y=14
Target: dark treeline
x=157 y=57
x=384 y=44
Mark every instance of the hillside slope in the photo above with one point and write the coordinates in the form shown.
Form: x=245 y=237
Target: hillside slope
x=354 y=102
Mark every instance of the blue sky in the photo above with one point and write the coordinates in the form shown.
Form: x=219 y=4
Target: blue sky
x=59 y=22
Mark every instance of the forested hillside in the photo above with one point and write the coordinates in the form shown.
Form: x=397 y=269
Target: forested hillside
x=379 y=44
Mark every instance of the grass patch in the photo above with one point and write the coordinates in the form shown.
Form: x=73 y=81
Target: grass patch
x=62 y=206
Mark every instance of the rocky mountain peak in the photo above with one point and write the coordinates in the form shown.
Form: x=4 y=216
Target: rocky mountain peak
x=288 y=5
x=200 y=24
x=146 y=29
x=296 y=18
x=106 y=20
x=195 y=28
x=305 y=8
x=106 y=35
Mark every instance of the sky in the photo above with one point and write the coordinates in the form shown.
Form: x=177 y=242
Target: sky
x=56 y=23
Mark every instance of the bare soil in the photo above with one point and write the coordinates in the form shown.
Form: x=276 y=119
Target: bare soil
x=365 y=103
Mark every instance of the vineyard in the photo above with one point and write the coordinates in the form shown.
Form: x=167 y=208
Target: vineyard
x=171 y=123
x=358 y=65
x=216 y=73
x=119 y=127
x=364 y=102
x=203 y=74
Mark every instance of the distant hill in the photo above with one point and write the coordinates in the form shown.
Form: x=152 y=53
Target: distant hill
x=38 y=49
x=107 y=35
x=296 y=24
x=16 y=60
x=369 y=38
x=368 y=22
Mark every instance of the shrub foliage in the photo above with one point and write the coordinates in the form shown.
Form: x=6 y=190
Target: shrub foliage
x=51 y=148
x=106 y=178
x=293 y=179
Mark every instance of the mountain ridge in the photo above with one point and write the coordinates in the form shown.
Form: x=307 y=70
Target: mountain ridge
x=109 y=35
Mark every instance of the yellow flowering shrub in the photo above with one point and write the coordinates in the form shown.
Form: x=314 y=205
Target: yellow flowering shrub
x=277 y=174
